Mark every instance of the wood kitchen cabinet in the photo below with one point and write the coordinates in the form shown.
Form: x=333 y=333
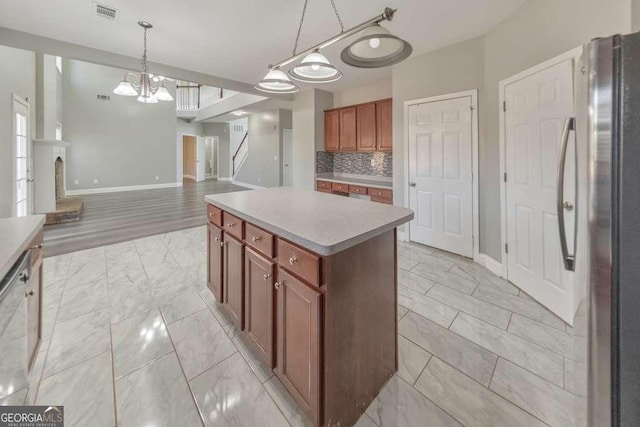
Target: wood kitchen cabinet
x=259 y=289
x=348 y=129
x=233 y=279
x=384 y=125
x=299 y=319
x=332 y=131
x=214 y=261
x=366 y=127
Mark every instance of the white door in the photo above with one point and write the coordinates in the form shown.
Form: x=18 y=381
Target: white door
x=287 y=157
x=201 y=158
x=22 y=158
x=440 y=173
x=536 y=109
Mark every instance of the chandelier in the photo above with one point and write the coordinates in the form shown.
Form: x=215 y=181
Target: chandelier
x=148 y=88
x=374 y=47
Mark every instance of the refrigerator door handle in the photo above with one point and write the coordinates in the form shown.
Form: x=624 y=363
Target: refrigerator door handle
x=569 y=260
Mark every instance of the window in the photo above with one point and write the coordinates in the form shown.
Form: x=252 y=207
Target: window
x=21 y=163
x=58 y=132
x=59 y=64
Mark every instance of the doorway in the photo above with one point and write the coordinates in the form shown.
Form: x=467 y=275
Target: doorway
x=211 y=144
x=287 y=157
x=22 y=188
x=193 y=158
x=536 y=104
x=442 y=146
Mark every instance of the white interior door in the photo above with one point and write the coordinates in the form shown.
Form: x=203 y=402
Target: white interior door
x=537 y=107
x=287 y=157
x=22 y=188
x=440 y=174
x=201 y=158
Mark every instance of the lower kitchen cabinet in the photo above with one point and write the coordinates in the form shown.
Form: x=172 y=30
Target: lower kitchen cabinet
x=214 y=261
x=233 y=279
x=298 y=338
x=259 y=301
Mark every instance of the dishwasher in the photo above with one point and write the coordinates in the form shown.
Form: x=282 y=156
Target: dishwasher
x=14 y=357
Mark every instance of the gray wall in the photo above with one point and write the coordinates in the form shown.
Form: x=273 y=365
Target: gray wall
x=49 y=96
x=17 y=76
x=120 y=142
x=364 y=93
x=262 y=165
x=221 y=130
x=635 y=15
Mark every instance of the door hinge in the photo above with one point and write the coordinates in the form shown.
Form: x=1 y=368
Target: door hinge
x=505 y=177
x=504 y=105
x=473 y=241
x=506 y=248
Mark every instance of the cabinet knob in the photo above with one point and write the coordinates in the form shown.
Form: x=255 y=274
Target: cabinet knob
x=293 y=260
x=40 y=246
x=29 y=294
x=222 y=244
x=267 y=276
x=278 y=284
x=210 y=215
x=255 y=238
x=230 y=224
x=216 y=239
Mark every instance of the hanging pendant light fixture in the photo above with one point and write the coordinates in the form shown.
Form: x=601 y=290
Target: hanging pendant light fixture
x=148 y=88
x=375 y=47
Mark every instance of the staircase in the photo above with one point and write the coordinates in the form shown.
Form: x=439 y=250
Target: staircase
x=240 y=155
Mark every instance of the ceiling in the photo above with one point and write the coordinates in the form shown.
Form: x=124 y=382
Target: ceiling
x=238 y=39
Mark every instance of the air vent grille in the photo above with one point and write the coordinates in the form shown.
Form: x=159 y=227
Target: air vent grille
x=105 y=11
x=104 y=97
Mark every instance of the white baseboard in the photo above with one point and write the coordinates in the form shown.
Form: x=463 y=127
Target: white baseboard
x=492 y=265
x=224 y=179
x=127 y=188
x=189 y=177
x=244 y=184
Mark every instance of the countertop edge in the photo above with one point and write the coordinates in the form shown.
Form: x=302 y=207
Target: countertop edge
x=307 y=244
x=4 y=269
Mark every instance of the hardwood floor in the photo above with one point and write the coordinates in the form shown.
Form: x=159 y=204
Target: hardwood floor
x=116 y=217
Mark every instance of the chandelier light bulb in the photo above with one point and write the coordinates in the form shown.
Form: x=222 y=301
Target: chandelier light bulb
x=374 y=43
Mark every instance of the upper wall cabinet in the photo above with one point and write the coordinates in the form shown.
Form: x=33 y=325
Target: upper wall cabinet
x=363 y=127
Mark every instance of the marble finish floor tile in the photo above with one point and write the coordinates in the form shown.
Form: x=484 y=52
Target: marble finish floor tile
x=215 y=307
x=436 y=263
x=467 y=401
x=138 y=341
x=416 y=247
x=537 y=359
x=401 y=312
x=85 y=390
x=411 y=360
x=406 y=263
x=289 y=406
x=365 y=421
x=419 y=255
x=469 y=358
x=398 y=404
x=548 y=402
x=129 y=272
x=130 y=299
x=77 y=340
x=156 y=395
x=414 y=281
x=55 y=269
x=262 y=371
x=149 y=244
x=427 y=307
x=122 y=253
x=200 y=342
x=15 y=399
x=550 y=338
x=468 y=304
x=181 y=306
x=458 y=283
x=575 y=377
x=229 y=394
x=82 y=299
x=484 y=277
x=167 y=286
x=81 y=273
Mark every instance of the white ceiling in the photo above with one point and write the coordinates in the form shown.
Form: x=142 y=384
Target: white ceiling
x=237 y=39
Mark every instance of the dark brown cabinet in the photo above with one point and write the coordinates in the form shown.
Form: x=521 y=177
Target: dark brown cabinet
x=366 y=127
x=233 y=280
x=298 y=338
x=332 y=131
x=214 y=261
x=259 y=300
x=348 y=129
x=384 y=125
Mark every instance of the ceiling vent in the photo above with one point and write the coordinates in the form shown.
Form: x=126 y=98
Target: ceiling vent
x=105 y=11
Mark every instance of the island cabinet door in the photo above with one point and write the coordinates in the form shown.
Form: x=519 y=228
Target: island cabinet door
x=259 y=289
x=233 y=286
x=214 y=262
x=298 y=341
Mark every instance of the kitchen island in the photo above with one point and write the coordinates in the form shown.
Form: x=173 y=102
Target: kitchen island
x=310 y=280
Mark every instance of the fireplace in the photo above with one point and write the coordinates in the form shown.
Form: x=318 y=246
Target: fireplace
x=59 y=179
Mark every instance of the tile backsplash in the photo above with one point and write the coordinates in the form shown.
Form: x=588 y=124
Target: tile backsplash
x=373 y=164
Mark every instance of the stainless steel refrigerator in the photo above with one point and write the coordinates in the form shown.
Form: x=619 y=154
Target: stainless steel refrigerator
x=606 y=255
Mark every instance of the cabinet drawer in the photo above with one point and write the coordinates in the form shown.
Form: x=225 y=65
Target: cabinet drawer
x=358 y=189
x=382 y=200
x=214 y=215
x=341 y=188
x=380 y=192
x=233 y=225
x=299 y=261
x=325 y=185
x=324 y=190
x=259 y=239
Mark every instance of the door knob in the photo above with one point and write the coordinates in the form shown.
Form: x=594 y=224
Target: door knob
x=568 y=206
x=266 y=276
x=412 y=184
x=29 y=294
x=277 y=285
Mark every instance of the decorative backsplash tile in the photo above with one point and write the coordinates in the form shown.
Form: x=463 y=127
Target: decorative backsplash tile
x=373 y=164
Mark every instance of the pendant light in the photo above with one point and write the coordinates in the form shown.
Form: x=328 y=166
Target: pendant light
x=376 y=47
x=276 y=81
x=148 y=88
x=315 y=68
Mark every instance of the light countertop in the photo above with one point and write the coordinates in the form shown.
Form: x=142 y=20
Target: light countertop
x=15 y=235
x=323 y=223
x=387 y=185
